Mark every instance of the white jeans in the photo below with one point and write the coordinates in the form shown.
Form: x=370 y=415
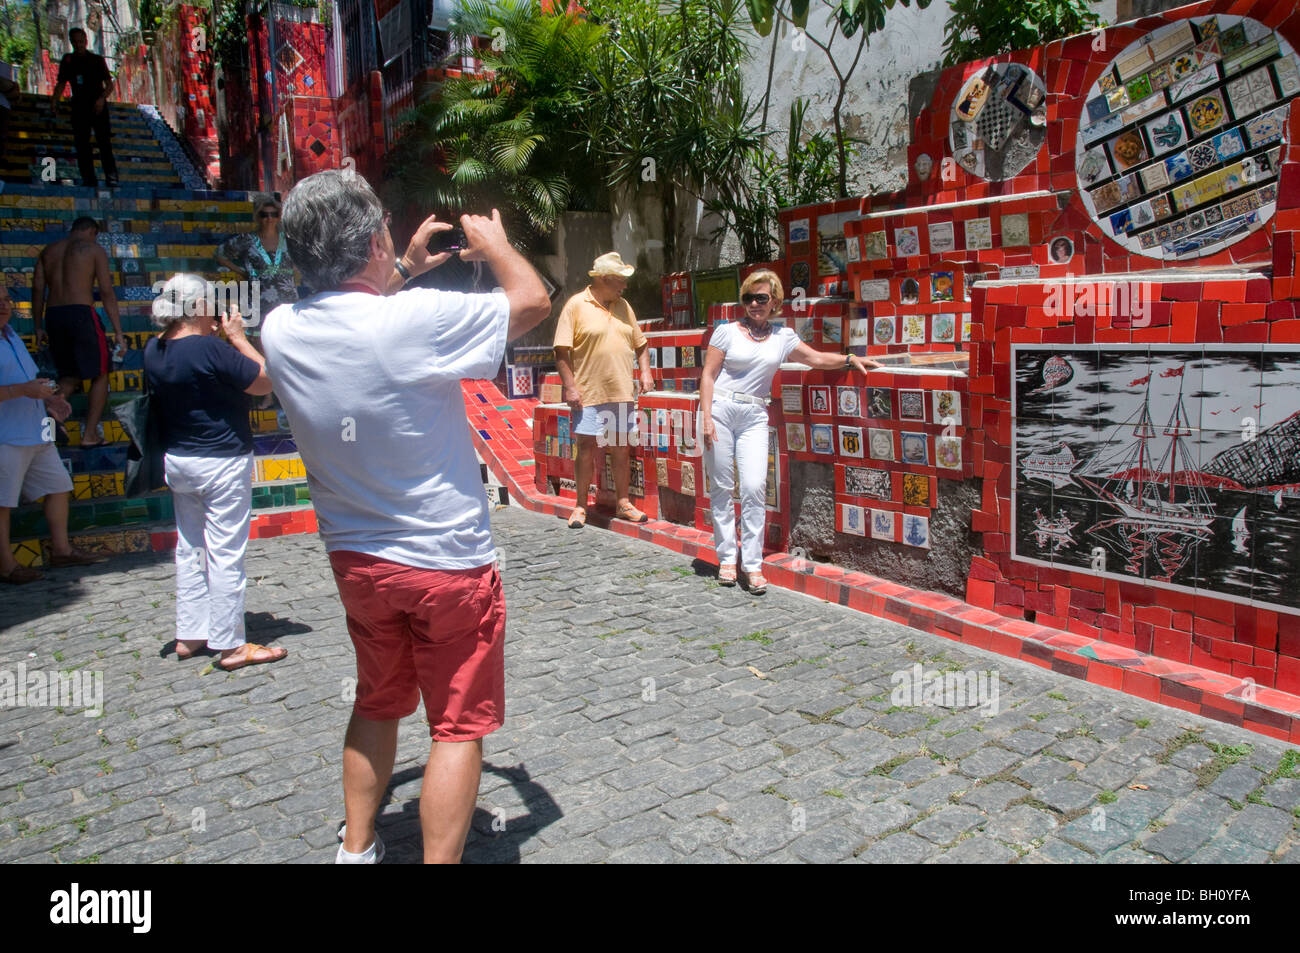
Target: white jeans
x=213 y=498
x=742 y=444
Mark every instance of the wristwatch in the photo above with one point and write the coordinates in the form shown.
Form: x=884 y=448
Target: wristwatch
x=401 y=269
x=848 y=361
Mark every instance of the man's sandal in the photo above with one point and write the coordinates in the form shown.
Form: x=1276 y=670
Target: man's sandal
x=757 y=584
x=726 y=575
x=628 y=512
x=254 y=654
x=21 y=575
x=578 y=518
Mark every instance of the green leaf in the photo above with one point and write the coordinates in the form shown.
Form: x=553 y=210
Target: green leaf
x=760 y=13
x=799 y=13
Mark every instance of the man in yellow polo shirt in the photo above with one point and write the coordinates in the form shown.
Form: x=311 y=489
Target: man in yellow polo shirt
x=596 y=340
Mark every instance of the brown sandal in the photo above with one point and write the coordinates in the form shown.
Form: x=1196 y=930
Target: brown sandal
x=21 y=575
x=252 y=658
x=627 y=511
x=578 y=518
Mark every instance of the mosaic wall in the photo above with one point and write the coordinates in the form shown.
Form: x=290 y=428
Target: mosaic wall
x=1176 y=466
x=1177 y=152
x=1111 y=507
x=997 y=123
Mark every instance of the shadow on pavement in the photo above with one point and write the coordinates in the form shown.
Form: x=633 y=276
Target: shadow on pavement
x=59 y=588
x=488 y=843
x=260 y=627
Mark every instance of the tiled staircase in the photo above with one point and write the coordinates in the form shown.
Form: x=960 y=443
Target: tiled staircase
x=155 y=227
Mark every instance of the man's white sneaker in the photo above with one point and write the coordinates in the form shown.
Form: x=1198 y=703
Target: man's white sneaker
x=371 y=855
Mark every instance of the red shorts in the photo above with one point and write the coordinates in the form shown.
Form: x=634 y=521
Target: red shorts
x=435 y=633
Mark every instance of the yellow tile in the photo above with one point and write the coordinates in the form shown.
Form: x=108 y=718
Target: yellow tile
x=28 y=553
x=81 y=486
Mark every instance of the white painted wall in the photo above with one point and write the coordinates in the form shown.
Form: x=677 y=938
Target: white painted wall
x=875 y=106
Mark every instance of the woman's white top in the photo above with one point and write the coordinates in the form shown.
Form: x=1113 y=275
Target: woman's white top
x=749 y=366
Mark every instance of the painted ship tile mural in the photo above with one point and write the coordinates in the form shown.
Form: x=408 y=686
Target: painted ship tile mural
x=1175 y=466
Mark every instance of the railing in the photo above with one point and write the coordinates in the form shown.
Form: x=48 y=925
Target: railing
x=397 y=100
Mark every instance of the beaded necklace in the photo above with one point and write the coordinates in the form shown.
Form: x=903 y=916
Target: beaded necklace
x=754 y=333
x=273 y=267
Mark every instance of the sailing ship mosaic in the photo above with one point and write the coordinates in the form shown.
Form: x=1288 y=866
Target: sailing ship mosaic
x=1175 y=466
x=1178 y=145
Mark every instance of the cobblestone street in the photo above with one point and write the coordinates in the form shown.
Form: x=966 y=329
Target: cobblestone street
x=652 y=716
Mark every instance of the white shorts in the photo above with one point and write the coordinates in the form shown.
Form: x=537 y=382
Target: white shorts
x=30 y=472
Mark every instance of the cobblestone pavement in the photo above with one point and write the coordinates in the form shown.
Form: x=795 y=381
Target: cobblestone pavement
x=652 y=716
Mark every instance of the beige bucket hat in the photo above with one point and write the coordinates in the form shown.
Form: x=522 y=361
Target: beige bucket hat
x=611 y=264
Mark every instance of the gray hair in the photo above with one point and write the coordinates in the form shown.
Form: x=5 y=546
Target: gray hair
x=328 y=221
x=178 y=299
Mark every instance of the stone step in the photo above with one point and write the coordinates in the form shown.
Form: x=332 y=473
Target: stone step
x=159 y=536
x=61 y=196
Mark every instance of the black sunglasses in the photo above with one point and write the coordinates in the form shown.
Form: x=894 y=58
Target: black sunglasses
x=268 y=214
x=755 y=299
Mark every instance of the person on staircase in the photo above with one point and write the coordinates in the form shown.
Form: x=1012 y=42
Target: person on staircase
x=91 y=82
x=63 y=313
x=30 y=467
x=199 y=382
x=261 y=256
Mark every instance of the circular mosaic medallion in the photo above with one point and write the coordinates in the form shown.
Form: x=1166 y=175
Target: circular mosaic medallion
x=1180 y=139
x=998 y=120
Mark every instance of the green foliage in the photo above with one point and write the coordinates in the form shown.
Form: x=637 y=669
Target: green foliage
x=979 y=29
x=18 y=42
x=230 y=29
x=510 y=137
x=17 y=49
x=634 y=95
x=852 y=15
x=126 y=43
x=807 y=172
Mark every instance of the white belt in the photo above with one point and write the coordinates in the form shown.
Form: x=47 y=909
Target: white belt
x=744 y=398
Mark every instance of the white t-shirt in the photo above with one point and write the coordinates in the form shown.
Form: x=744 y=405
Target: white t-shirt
x=371 y=386
x=749 y=366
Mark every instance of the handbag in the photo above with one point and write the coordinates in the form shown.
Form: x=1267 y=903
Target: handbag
x=141 y=418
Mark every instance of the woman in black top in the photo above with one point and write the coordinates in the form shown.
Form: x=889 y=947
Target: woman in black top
x=198 y=382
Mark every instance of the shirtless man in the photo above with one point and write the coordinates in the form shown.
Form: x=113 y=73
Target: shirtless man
x=69 y=270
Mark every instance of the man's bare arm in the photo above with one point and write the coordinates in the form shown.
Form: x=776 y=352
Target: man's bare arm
x=105 y=280
x=529 y=302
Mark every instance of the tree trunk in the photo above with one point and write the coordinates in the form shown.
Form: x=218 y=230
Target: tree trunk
x=771 y=61
x=843 y=159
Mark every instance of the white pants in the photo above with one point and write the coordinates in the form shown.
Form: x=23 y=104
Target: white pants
x=742 y=444
x=213 y=498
